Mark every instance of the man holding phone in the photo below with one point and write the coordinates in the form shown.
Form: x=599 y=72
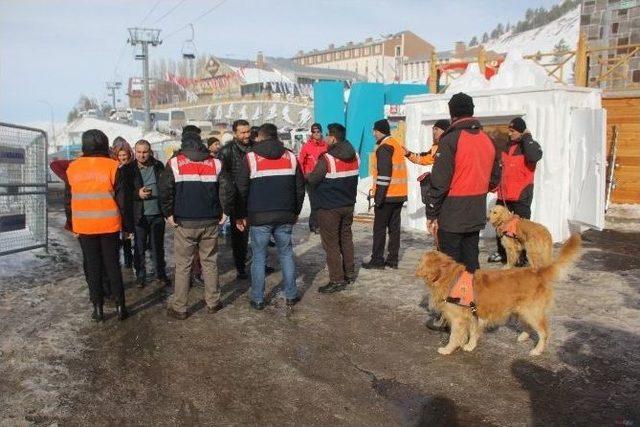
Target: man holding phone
x=149 y=222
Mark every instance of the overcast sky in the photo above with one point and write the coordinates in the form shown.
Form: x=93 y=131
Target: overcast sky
x=56 y=50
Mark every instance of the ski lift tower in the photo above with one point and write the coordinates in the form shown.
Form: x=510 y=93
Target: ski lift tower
x=145 y=37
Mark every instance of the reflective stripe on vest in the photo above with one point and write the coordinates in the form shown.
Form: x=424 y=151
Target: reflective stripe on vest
x=337 y=168
x=517 y=174
x=93 y=206
x=272 y=183
x=261 y=166
x=339 y=187
x=187 y=170
x=397 y=182
x=196 y=187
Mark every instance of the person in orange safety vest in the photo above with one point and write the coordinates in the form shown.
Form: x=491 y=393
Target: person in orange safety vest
x=94 y=202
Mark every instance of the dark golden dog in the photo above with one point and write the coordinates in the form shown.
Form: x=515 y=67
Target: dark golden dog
x=524 y=292
x=529 y=236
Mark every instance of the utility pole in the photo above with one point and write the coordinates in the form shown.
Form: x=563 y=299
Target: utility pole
x=112 y=87
x=145 y=37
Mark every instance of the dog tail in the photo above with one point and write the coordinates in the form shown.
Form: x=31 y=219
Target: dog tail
x=569 y=252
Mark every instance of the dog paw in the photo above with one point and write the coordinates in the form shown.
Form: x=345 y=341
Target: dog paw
x=469 y=347
x=523 y=336
x=535 y=352
x=444 y=350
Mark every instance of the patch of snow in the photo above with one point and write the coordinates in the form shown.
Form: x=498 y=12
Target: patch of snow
x=472 y=79
x=518 y=72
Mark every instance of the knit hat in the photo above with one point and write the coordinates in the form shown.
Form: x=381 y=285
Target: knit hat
x=461 y=105
x=382 y=126
x=442 y=124
x=518 y=124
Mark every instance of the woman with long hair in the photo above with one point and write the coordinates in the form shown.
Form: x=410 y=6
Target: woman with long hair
x=122 y=152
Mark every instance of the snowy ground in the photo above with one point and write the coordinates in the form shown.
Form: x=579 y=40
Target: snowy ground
x=361 y=357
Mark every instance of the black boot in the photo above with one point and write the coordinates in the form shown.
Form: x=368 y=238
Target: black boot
x=98 y=313
x=122 y=312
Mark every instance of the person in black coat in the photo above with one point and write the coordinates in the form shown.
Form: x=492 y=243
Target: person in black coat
x=144 y=174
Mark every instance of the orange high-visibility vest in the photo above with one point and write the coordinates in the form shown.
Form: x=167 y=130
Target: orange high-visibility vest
x=398 y=182
x=93 y=205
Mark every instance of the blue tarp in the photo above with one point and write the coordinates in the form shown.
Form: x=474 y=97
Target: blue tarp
x=328 y=103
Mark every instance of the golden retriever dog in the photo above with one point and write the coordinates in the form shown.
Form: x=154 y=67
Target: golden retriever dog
x=524 y=292
x=529 y=236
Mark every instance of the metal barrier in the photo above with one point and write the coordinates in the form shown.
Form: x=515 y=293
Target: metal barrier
x=23 y=188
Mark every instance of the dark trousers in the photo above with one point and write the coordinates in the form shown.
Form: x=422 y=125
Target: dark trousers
x=239 y=244
x=462 y=247
x=337 y=241
x=313 y=216
x=100 y=254
x=386 y=217
x=150 y=232
x=523 y=210
x=127 y=251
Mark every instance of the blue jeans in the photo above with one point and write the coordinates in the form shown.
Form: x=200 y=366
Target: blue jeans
x=260 y=235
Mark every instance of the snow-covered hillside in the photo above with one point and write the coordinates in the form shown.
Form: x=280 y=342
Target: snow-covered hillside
x=542 y=39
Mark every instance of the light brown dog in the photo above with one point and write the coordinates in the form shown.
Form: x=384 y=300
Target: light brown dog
x=528 y=235
x=524 y=292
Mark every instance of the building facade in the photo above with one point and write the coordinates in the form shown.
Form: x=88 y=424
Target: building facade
x=378 y=60
x=613 y=24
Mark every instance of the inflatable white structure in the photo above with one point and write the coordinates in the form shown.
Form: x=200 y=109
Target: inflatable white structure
x=568 y=122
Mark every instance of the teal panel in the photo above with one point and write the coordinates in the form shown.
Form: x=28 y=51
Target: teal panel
x=328 y=103
x=394 y=93
x=366 y=105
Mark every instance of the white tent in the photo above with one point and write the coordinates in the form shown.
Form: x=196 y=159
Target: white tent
x=570 y=125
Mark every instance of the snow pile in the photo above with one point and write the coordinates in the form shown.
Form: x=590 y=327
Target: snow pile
x=514 y=72
x=518 y=72
x=542 y=39
x=472 y=79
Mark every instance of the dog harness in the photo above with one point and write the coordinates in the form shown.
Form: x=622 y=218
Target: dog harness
x=509 y=229
x=461 y=292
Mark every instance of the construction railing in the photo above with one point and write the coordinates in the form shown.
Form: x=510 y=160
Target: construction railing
x=23 y=188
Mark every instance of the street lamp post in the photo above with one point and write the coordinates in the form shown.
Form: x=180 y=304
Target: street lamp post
x=53 y=130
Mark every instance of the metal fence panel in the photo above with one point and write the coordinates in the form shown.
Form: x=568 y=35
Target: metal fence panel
x=23 y=188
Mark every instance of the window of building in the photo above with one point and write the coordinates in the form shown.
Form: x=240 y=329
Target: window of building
x=622 y=12
x=310 y=60
x=398 y=50
x=338 y=55
x=614 y=28
x=328 y=57
x=347 y=54
x=636 y=76
x=367 y=50
x=356 y=52
x=377 y=49
x=318 y=58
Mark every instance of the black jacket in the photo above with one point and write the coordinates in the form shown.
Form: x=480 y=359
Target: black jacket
x=272 y=149
x=167 y=185
x=122 y=193
x=336 y=192
x=341 y=150
x=232 y=157
x=134 y=176
x=458 y=214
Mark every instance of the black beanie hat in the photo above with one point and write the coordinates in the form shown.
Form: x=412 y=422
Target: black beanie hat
x=461 y=105
x=442 y=124
x=518 y=124
x=382 y=126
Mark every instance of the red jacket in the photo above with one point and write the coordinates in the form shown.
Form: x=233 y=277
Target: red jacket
x=310 y=153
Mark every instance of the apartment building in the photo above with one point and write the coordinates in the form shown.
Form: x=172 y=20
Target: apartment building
x=378 y=60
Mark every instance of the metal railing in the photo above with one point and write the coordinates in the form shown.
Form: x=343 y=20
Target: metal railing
x=23 y=188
